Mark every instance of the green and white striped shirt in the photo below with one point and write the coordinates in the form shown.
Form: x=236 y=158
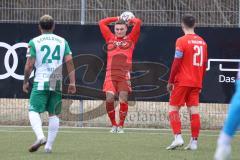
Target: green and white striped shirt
x=49 y=51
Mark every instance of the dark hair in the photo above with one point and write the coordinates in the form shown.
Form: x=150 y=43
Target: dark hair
x=120 y=21
x=46 y=22
x=188 y=20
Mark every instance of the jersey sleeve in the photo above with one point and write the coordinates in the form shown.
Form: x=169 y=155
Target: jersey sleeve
x=134 y=35
x=103 y=24
x=205 y=61
x=179 y=49
x=67 y=50
x=177 y=61
x=31 y=51
x=206 y=54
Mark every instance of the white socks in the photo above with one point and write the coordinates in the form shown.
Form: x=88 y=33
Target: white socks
x=53 y=127
x=36 y=124
x=224 y=139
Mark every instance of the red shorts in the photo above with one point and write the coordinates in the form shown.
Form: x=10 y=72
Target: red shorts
x=117 y=86
x=182 y=95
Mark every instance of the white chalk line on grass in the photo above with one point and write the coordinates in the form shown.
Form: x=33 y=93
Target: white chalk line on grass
x=206 y=133
x=106 y=128
x=106 y=132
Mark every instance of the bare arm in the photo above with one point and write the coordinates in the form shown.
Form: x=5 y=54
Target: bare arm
x=27 y=72
x=70 y=68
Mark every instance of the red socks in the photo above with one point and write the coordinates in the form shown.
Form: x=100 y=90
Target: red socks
x=123 y=113
x=111 y=112
x=195 y=125
x=175 y=122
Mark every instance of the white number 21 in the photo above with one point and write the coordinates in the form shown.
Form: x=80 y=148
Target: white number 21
x=198 y=53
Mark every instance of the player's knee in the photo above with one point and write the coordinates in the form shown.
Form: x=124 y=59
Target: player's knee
x=109 y=99
x=174 y=108
x=123 y=97
x=193 y=110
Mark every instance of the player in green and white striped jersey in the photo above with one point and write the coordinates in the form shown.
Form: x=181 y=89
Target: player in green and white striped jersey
x=47 y=52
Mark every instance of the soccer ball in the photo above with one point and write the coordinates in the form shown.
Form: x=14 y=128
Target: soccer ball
x=126 y=16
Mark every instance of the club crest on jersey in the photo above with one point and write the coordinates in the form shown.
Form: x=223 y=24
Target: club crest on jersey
x=123 y=44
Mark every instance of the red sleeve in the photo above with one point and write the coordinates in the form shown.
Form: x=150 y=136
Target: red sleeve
x=174 y=69
x=103 y=24
x=177 y=61
x=134 y=35
x=205 y=62
x=179 y=45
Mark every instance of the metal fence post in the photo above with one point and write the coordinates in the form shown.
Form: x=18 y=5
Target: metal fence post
x=83 y=8
x=81 y=113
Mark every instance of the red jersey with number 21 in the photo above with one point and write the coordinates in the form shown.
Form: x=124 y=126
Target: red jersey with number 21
x=194 y=59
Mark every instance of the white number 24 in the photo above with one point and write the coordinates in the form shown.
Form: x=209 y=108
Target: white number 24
x=198 y=53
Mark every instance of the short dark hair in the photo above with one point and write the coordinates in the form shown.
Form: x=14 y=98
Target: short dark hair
x=46 y=22
x=120 y=21
x=188 y=20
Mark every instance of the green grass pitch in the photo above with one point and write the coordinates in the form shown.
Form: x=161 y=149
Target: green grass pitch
x=99 y=144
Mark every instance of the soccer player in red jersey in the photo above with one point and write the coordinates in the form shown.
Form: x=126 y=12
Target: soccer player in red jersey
x=185 y=81
x=120 y=46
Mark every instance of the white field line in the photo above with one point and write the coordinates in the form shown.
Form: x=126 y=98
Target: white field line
x=89 y=132
x=106 y=128
x=81 y=131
